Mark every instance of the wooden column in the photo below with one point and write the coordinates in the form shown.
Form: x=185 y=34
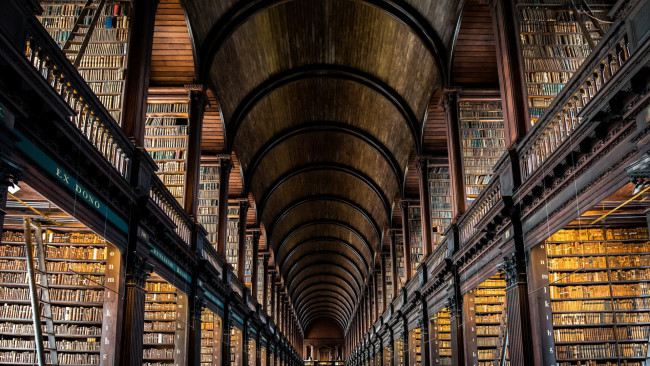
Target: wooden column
x=518 y=312
x=378 y=311
x=241 y=253
x=245 y=339
x=455 y=307
x=255 y=268
x=196 y=109
x=138 y=68
x=454 y=150
x=393 y=262
x=138 y=270
x=224 y=178
x=225 y=335
x=511 y=75
x=422 y=166
x=406 y=237
x=271 y=310
x=194 y=343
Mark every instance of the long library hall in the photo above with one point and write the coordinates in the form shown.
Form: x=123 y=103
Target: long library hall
x=325 y=182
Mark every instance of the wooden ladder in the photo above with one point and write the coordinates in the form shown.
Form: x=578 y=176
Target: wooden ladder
x=80 y=38
x=41 y=305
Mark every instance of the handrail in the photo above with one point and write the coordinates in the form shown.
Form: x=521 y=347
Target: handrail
x=564 y=115
x=479 y=209
x=210 y=254
x=166 y=201
x=90 y=116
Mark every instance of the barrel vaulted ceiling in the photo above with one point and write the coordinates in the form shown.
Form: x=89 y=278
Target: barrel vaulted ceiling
x=323 y=102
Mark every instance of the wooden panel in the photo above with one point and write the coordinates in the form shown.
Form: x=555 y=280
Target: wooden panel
x=172 y=59
x=435 y=135
x=212 y=138
x=474 y=62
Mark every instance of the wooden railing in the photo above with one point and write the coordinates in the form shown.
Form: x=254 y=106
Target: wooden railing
x=563 y=117
x=470 y=223
x=210 y=254
x=90 y=117
x=168 y=204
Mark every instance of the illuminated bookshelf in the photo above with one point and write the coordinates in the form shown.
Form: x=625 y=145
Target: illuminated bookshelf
x=232 y=240
x=600 y=294
x=165 y=314
x=441 y=328
x=208 y=208
x=415 y=347
x=82 y=271
x=489 y=302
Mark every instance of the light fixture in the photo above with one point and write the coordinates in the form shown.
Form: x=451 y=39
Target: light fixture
x=13 y=188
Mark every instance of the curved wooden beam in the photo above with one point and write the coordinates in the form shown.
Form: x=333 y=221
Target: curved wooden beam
x=323 y=300
x=223 y=29
x=326 y=239
x=298 y=265
x=349 y=290
x=329 y=166
x=329 y=289
x=319 y=127
x=295 y=286
x=326 y=197
x=323 y=314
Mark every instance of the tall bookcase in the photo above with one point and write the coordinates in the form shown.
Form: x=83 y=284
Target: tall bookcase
x=399 y=257
x=103 y=63
x=388 y=264
x=207 y=337
x=415 y=231
x=387 y=355
x=554 y=46
x=263 y=355
x=260 y=280
x=441 y=328
x=415 y=347
x=232 y=242
x=440 y=195
x=166 y=137
x=164 y=323
x=82 y=271
x=398 y=356
x=483 y=141
x=380 y=293
x=600 y=294
x=236 y=346
x=489 y=302
x=248 y=262
x=252 y=352
x=208 y=210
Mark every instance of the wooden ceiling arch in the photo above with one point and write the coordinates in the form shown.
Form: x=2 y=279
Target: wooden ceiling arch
x=324 y=102
x=345 y=312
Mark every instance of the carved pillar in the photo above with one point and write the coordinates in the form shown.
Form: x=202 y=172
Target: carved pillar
x=393 y=263
x=425 y=206
x=194 y=349
x=196 y=109
x=517 y=309
x=137 y=272
x=224 y=177
x=225 y=336
x=138 y=68
x=454 y=150
x=456 y=327
x=255 y=267
x=406 y=238
x=511 y=75
x=424 y=334
x=241 y=260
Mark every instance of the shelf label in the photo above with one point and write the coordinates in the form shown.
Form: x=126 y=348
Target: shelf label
x=67 y=180
x=170 y=263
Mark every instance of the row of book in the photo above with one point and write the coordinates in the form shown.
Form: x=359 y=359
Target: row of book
x=601 y=334
x=170 y=143
x=551 y=64
x=159 y=338
x=537 y=51
x=553 y=77
x=595 y=247
x=544 y=89
x=598 y=262
x=106 y=87
x=86 y=314
x=170 y=155
x=167 y=108
x=101 y=61
x=565 y=39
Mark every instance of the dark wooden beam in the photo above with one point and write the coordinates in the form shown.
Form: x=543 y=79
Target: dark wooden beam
x=450 y=104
